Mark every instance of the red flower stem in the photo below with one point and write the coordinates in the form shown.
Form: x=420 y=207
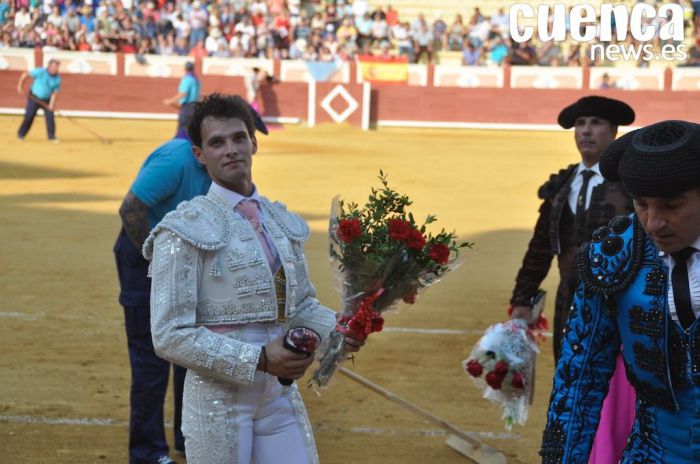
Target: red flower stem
x=359 y=326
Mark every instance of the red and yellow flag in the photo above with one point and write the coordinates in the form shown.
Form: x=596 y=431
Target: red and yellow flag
x=383 y=69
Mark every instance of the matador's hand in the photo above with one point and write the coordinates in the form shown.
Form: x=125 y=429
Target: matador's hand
x=283 y=362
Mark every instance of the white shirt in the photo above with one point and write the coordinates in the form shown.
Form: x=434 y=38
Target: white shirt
x=233 y=198
x=595 y=180
x=693 y=279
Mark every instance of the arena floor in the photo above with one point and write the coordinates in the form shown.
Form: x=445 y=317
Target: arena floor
x=64 y=372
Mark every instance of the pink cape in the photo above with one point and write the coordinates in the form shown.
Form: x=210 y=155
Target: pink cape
x=616 y=419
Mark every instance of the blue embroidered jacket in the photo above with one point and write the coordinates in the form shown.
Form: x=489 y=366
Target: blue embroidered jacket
x=620 y=300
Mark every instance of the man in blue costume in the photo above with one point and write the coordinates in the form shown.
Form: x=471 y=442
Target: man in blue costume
x=639 y=288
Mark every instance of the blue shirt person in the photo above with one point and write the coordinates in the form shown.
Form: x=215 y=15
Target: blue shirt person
x=639 y=289
x=187 y=92
x=169 y=175
x=46 y=83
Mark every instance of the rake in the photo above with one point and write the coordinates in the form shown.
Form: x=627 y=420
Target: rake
x=470 y=447
x=102 y=140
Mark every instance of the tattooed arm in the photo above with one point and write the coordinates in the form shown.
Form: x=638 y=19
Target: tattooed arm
x=134 y=219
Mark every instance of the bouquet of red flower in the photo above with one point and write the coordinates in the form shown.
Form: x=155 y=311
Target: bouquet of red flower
x=501 y=364
x=380 y=257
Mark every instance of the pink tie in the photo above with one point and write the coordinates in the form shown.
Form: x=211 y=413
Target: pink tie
x=249 y=209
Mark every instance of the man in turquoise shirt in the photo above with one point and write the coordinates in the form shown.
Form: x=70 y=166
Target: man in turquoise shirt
x=187 y=93
x=42 y=94
x=170 y=175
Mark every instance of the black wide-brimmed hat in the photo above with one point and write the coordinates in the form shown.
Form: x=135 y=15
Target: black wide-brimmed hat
x=660 y=160
x=617 y=112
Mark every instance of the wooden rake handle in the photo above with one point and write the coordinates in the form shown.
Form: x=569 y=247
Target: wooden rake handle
x=413 y=408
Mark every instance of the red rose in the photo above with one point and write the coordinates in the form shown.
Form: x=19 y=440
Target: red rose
x=348 y=230
x=415 y=240
x=494 y=380
x=410 y=298
x=377 y=324
x=474 y=368
x=398 y=229
x=501 y=368
x=439 y=253
x=517 y=381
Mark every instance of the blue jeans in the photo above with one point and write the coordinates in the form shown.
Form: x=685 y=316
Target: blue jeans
x=149 y=373
x=30 y=114
x=149 y=384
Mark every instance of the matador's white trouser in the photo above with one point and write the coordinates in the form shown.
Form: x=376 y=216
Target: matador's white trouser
x=265 y=423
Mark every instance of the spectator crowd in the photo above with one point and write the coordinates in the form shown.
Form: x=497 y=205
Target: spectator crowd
x=320 y=30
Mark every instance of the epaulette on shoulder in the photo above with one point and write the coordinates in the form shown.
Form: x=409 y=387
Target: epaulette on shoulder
x=609 y=263
x=293 y=225
x=555 y=183
x=200 y=222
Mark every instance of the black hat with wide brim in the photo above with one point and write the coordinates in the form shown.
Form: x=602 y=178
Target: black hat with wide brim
x=660 y=160
x=617 y=112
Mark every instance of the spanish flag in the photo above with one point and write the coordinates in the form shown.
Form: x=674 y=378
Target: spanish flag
x=382 y=69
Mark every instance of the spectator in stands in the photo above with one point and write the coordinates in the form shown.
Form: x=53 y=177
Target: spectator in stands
x=605 y=82
x=166 y=45
x=423 y=42
x=523 y=53
x=55 y=19
x=4 y=12
x=549 y=54
x=380 y=29
x=574 y=56
x=456 y=33
x=23 y=19
x=401 y=33
x=360 y=8
x=214 y=39
x=476 y=17
x=470 y=55
x=439 y=32
x=364 y=30
x=71 y=20
x=181 y=48
x=480 y=32
x=500 y=22
x=198 y=17
x=392 y=16
x=498 y=51
x=417 y=22
x=346 y=31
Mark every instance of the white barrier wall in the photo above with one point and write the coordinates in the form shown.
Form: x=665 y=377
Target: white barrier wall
x=686 y=79
x=629 y=78
x=468 y=76
x=155 y=65
x=296 y=71
x=544 y=77
x=84 y=62
x=216 y=66
x=16 y=59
